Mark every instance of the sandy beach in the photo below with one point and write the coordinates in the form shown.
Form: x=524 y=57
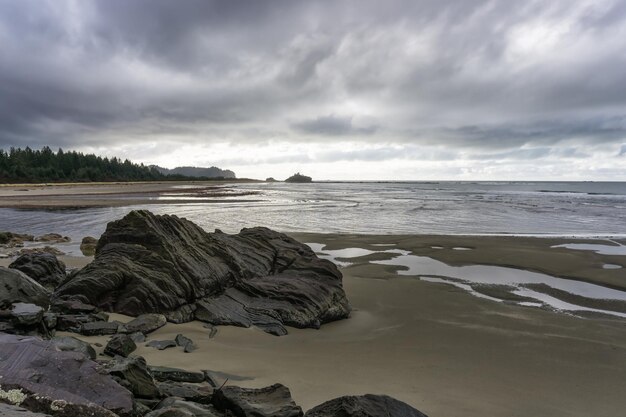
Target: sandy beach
x=432 y=345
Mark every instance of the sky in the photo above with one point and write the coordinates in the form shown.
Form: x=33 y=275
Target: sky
x=363 y=89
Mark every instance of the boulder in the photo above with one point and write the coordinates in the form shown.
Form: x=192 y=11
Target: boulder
x=44 y=268
x=146 y=323
x=185 y=342
x=137 y=337
x=17 y=287
x=14 y=239
x=88 y=245
x=26 y=315
x=133 y=374
x=120 y=344
x=146 y=263
x=73 y=307
x=47 y=380
x=364 y=406
x=272 y=401
x=72 y=344
x=164 y=373
x=7 y=410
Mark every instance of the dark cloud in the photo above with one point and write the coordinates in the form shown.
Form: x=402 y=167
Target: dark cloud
x=514 y=79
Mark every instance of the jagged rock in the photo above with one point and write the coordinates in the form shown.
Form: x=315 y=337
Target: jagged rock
x=17 y=287
x=27 y=315
x=134 y=374
x=272 y=401
x=137 y=337
x=99 y=328
x=120 y=344
x=74 y=322
x=217 y=378
x=212 y=329
x=196 y=393
x=364 y=406
x=52 y=238
x=164 y=373
x=174 y=407
x=7 y=410
x=72 y=307
x=161 y=344
x=47 y=378
x=163 y=264
x=186 y=343
x=88 y=245
x=44 y=268
x=146 y=323
x=69 y=343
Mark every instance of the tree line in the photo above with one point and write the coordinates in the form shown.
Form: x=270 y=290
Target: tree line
x=44 y=165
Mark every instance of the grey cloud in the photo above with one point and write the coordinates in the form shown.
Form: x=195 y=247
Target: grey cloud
x=445 y=73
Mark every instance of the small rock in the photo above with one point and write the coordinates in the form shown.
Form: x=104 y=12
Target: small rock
x=88 y=245
x=134 y=372
x=185 y=342
x=161 y=344
x=120 y=344
x=98 y=328
x=52 y=238
x=195 y=393
x=72 y=306
x=164 y=373
x=69 y=343
x=272 y=401
x=138 y=337
x=146 y=323
x=212 y=329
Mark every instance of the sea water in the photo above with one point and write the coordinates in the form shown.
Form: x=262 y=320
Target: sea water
x=583 y=209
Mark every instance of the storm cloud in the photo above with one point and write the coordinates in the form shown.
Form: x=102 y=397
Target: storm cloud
x=301 y=84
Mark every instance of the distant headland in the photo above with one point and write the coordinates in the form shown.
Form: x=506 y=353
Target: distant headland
x=297 y=177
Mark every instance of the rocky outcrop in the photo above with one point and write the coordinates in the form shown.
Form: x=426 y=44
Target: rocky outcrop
x=272 y=401
x=364 y=406
x=146 y=263
x=46 y=380
x=17 y=287
x=44 y=268
x=120 y=345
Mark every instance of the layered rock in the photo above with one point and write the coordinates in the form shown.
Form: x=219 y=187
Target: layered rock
x=146 y=263
x=17 y=287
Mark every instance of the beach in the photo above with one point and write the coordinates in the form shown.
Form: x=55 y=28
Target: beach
x=444 y=350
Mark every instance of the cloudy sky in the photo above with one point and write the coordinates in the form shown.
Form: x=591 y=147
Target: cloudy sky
x=428 y=89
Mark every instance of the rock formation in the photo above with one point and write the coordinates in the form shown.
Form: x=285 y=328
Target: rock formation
x=44 y=268
x=364 y=406
x=146 y=263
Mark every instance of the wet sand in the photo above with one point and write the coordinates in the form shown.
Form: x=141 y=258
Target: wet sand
x=84 y=195
x=434 y=346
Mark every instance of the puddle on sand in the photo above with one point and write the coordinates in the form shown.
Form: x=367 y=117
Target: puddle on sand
x=461 y=248
x=611 y=266
x=597 y=248
x=432 y=270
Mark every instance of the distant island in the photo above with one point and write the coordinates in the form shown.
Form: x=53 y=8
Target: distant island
x=297 y=177
x=197 y=172
x=270 y=179
x=46 y=166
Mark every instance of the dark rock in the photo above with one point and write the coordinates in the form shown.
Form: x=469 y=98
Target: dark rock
x=161 y=344
x=272 y=401
x=196 y=393
x=72 y=344
x=27 y=315
x=48 y=379
x=217 y=378
x=17 y=287
x=137 y=337
x=50 y=320
x=88 y=245
x=185 y=342
x=163 y=373
x=52 y=238
x=46 y=249
x=212 y=329
x=74 y=322
x=135 y=375
x=364 y=406
x=7 y=410
x=163 y=264
x=297 y=177
x=174 y=407
x=98 y=328
x=44 y=268
x=120 y=344
x=72 y=307
x=146 y=323
x=14 y=239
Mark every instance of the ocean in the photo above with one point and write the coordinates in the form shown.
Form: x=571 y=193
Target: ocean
x=581 y=209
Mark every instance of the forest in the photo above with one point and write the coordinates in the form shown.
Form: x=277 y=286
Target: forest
x=44 y=165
